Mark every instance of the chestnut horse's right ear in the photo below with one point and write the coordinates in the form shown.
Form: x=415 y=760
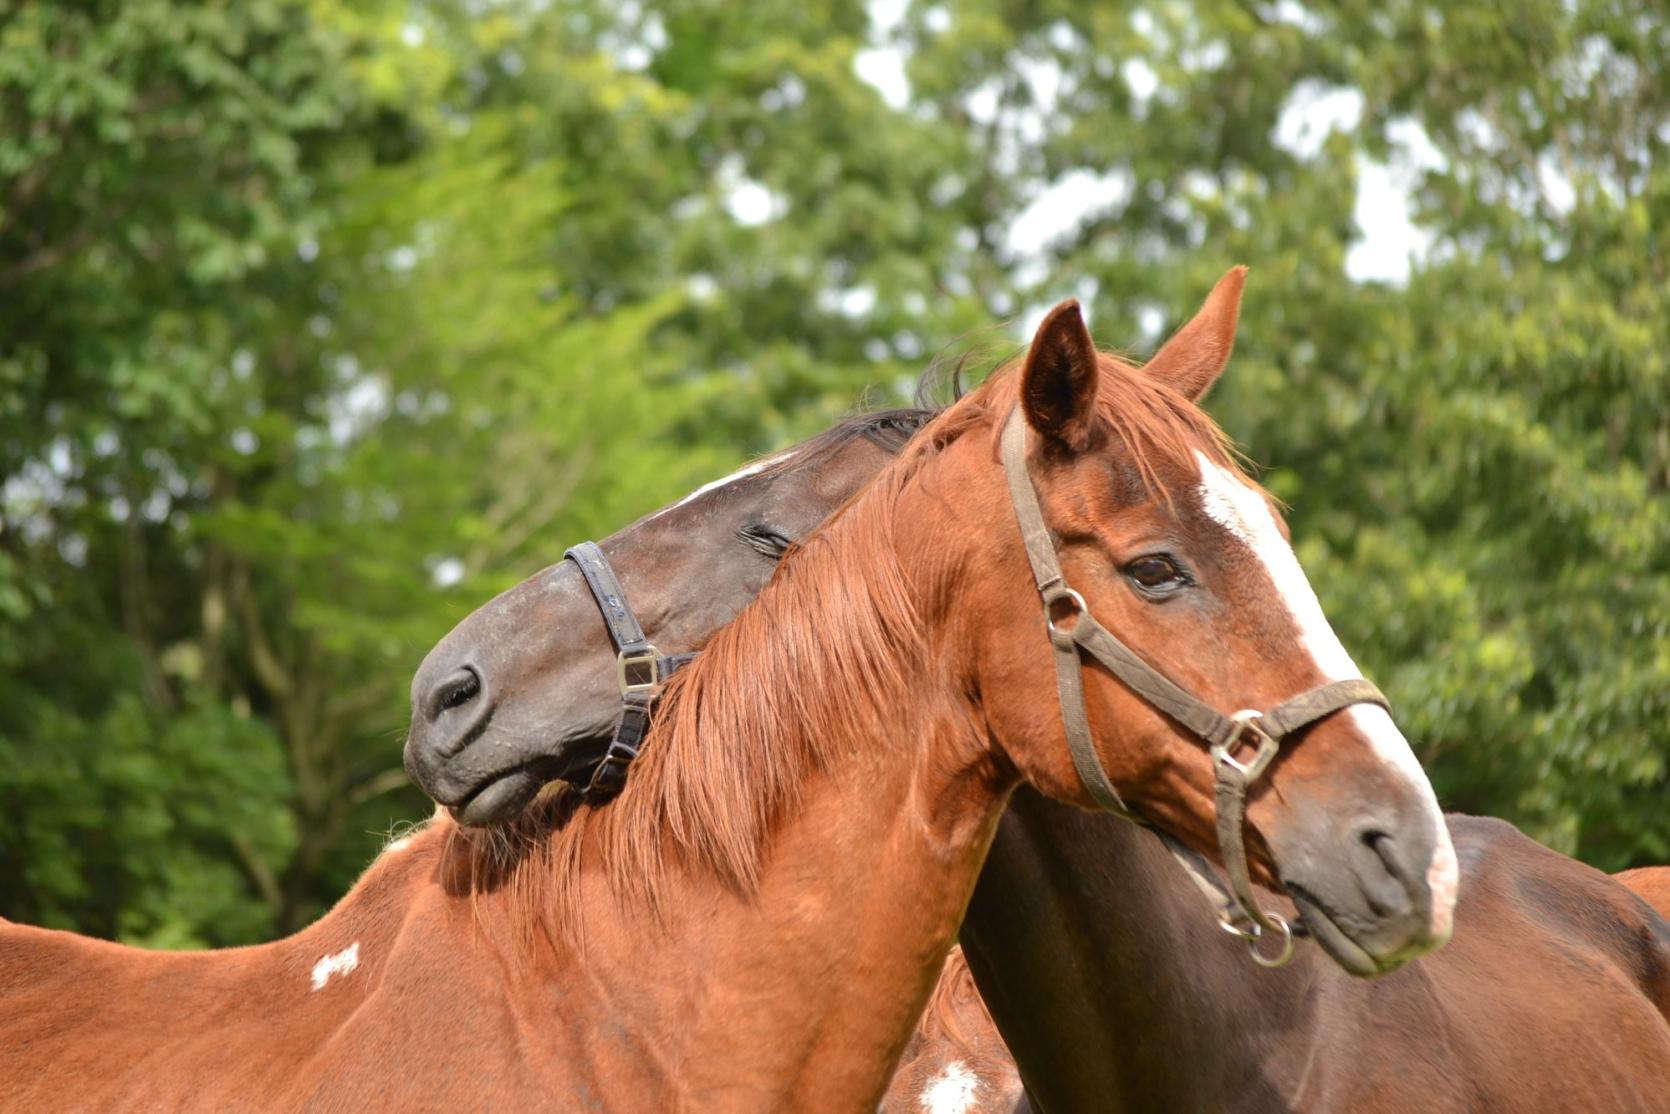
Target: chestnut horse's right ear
x=1058 y=383
x=1196 y=354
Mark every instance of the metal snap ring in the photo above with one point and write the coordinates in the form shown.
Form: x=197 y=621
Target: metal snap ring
x=1283 y=954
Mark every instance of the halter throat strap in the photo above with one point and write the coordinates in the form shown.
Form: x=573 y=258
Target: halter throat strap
x=1072 y=630
x=640 y=668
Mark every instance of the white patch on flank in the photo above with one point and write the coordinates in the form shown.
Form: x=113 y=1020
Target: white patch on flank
x=1244 y=512
x=739 y=474
x=951 y=1091
x=400 y=844
x=341 y=963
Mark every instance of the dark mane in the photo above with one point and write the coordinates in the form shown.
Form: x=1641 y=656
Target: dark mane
x=889 y=430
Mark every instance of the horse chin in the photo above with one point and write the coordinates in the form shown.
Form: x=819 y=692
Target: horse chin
x=1341 y=948
x=499 y=801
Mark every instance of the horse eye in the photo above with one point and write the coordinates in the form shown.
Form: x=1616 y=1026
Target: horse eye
x=764 y=540
x=1155 y=573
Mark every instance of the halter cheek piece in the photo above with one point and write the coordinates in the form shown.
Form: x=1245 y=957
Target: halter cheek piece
x=640 y=668
x=1223 y=735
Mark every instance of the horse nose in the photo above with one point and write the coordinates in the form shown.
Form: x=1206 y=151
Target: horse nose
x=449 y=712
x=456 y=690
x=1385 y=866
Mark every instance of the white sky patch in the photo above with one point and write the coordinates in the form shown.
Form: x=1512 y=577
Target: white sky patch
x=952 y=1091
x=1061 y=207
x=339 y=963
x=1313 y=110
x=883 y=69
x=881 y=65
x=749 y=202
x=1245 y=513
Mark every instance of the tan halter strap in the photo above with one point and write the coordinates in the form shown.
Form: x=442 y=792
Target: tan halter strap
x=1223 y=735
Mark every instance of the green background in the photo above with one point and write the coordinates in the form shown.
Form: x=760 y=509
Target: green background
x=321 y=322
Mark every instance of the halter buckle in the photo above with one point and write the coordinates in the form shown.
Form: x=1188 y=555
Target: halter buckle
x=639 y=670
x=1246 y=721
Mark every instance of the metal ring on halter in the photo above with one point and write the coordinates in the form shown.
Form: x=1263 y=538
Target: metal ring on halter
x=1281 y=958
x=1079 y=608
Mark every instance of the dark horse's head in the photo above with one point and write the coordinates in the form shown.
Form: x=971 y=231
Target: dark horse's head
x=523 y=692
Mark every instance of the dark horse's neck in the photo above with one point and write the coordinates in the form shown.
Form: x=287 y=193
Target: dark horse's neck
x=1102 y=967
x=1151 y=1002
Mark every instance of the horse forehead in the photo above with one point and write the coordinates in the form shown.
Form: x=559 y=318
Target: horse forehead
x=1236 y=505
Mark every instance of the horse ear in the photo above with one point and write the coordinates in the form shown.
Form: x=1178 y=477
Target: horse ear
x=1194 y=357
x=1058 y=383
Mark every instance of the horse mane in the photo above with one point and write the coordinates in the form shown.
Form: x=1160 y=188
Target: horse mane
x=733 y=746
x=889 y=430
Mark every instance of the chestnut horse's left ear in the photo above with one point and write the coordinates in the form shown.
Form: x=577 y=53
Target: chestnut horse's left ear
x=1194 y=357
x=1058 y=383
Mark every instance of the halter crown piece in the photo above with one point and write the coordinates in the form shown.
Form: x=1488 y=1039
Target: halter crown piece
x=1223 y=735
x=640 y=668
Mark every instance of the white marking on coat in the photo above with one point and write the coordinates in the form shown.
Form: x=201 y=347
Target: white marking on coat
x=400 y=844
x=1245 y=513
x=951 y=1091
x=723 y=481
x=340 y=963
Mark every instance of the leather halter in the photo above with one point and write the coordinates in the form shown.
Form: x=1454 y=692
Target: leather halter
x=1223 y=735
x=640 y=668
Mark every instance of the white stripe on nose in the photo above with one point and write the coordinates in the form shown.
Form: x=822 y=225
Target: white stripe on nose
x=1244 y=512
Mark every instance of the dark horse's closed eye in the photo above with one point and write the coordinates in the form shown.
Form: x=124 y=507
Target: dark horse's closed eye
x=764 y=540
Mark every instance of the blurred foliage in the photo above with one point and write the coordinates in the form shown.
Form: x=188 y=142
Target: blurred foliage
x=321 y=322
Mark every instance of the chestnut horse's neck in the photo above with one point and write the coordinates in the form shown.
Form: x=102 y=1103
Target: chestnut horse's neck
x=753 y=924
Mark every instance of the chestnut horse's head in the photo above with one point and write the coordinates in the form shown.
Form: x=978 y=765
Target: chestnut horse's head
x=523 y=691
x=1186 y=560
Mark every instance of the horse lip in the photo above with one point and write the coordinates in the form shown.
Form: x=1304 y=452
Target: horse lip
x=542 y=770
x=1322 y=927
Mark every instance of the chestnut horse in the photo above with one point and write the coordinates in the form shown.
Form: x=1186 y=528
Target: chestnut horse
x=1652 y=883
x=758 y=919
x=1119 y=994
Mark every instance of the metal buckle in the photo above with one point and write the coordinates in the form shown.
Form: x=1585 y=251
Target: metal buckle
x=1246 y=720
x=639 y=671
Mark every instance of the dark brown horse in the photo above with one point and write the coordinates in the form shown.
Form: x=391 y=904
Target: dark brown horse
x=1120 y=994
x=758 y=919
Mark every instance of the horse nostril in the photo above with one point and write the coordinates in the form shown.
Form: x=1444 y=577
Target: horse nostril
x=454 y=691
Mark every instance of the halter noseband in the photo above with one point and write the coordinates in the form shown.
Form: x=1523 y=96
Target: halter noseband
x=1222 y=734
x=640 y=668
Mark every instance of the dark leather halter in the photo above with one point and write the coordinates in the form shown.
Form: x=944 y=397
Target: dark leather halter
x=640 y=668
x=1223 y=735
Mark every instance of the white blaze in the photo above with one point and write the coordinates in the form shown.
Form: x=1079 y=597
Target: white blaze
x=339 y=963
x=951 y=1091
x=723 y=481
x=1245 y=513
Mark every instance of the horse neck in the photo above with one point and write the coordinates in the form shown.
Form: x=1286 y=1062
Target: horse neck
x=1105 y=971
x=785 y=974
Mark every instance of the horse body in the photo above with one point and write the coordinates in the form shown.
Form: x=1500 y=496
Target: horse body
x=773 y=1001
x=1114 y=994
x=1652 y=883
